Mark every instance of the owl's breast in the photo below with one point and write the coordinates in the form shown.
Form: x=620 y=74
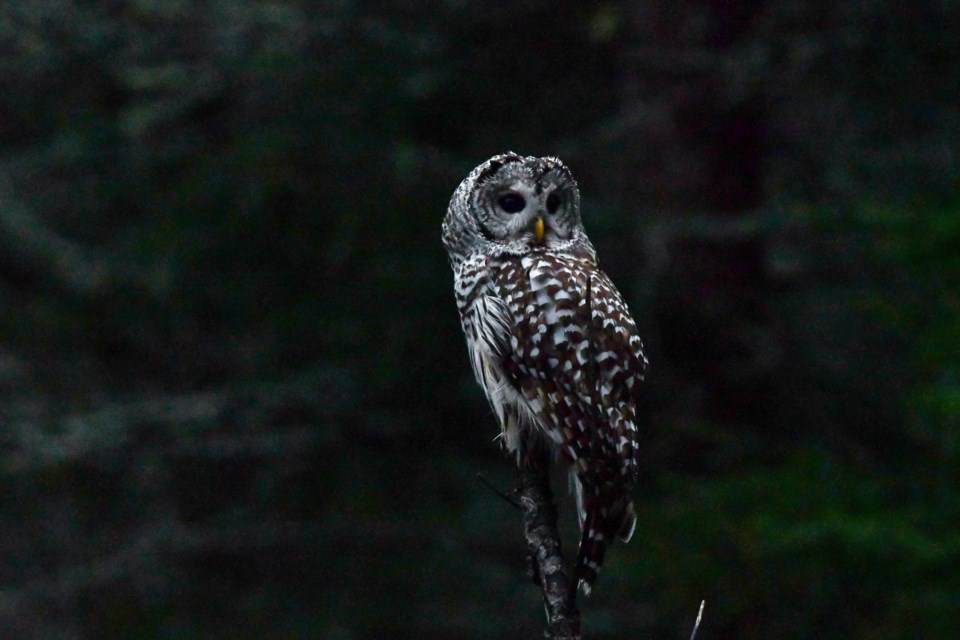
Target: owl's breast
x=546 y=296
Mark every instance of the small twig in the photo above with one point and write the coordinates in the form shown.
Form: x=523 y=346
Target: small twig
x=696 y=625
x=510 y=499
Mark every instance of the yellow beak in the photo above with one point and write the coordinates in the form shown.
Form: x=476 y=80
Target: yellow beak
x=538 y=229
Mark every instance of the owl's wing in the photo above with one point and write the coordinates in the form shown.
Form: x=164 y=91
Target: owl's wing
x=617 y=349
x=488 y=338
x=619 y=365
x=489 y=327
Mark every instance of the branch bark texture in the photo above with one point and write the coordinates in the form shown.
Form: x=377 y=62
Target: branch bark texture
x=543 y=545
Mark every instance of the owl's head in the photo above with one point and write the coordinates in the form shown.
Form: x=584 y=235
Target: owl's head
x=515 y=205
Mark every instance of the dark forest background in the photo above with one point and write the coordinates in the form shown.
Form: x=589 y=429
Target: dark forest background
x=236 y=402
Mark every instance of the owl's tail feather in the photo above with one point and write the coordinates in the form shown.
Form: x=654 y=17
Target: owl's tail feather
x=593 y=546
x=599 y=528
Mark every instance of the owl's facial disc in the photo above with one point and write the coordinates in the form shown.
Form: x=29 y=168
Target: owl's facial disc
x=523 y=213
x=527 y=204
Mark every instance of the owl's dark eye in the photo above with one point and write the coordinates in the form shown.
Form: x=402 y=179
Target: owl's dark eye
x=553 y=203
x=512 y=203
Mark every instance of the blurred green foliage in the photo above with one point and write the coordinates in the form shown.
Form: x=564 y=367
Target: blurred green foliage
x=235 y=398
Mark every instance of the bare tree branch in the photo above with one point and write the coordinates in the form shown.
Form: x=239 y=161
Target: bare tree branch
x=543 y=545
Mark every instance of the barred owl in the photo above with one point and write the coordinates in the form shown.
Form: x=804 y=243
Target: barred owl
x=550 y=338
